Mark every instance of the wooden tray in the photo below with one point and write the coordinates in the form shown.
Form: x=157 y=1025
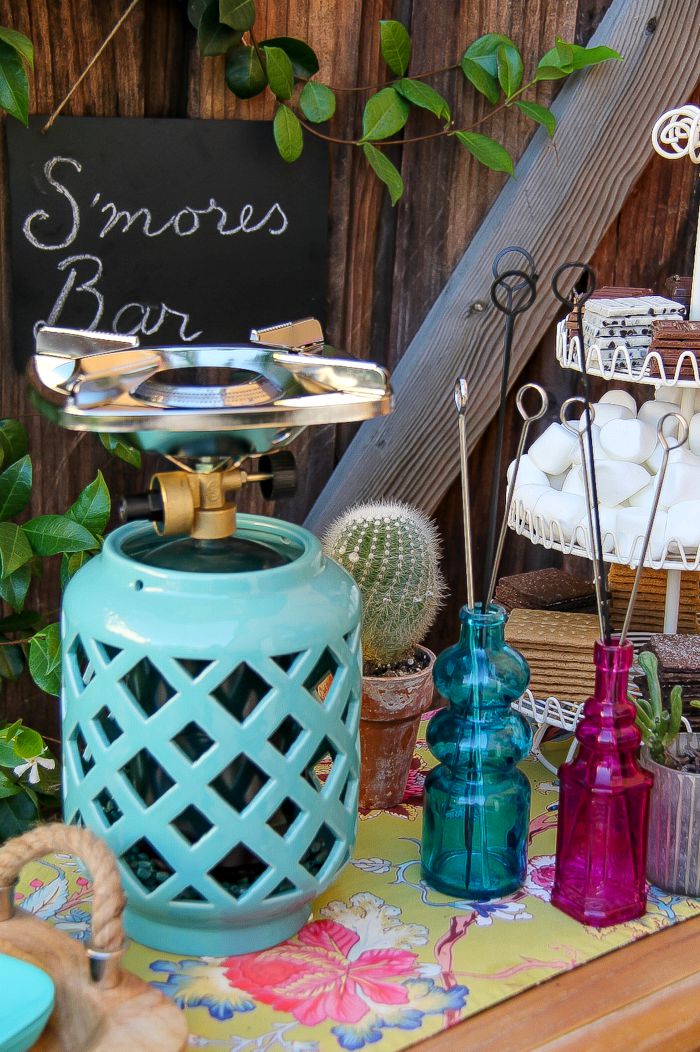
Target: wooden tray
x=99 y=1008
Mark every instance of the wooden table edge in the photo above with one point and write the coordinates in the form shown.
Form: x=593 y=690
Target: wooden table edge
x=643 y=996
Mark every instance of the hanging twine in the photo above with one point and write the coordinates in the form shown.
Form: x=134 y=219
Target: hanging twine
x=115 y=29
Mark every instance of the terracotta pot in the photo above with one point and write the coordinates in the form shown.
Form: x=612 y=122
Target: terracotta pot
x=673 y=854
x=391 y=710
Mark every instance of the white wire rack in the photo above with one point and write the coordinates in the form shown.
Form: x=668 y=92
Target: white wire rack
x=624 y=363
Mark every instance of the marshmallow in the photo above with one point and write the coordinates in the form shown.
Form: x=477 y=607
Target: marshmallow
x=669 y=394
x=694 y=435
x=682 y=455
x=643 y=498
x=528 y=473
x=683 y=524
x=553 y=450
x=630 y=527
x=652 y=411
x=618 y=481
x=597 y=448
x=616 y=397
x=604 y=412
x=681 y=484
x=573 y=483
x=654 y=462
x=629 y=440
x=607 y=530
x=557 y=481
x=528 y=496
x=565 y=508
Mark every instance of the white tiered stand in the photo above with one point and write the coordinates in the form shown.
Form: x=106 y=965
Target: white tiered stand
x=676 y=134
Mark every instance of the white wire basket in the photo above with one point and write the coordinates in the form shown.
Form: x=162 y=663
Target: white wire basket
x=624 y=363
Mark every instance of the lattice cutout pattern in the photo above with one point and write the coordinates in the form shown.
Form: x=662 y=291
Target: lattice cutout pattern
x=228 y=782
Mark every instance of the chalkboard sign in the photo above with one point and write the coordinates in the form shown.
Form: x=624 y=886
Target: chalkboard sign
x=176 y=230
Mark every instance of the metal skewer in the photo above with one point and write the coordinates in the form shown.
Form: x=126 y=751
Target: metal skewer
x=576 y=429
x=528 y=418
x=667 y=447
x=461 y=397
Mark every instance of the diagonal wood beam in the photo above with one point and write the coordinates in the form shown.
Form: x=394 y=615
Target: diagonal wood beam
x=559 y=206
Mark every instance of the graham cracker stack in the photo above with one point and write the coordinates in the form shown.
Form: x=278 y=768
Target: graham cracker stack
x=559 y=650
x=648 y=615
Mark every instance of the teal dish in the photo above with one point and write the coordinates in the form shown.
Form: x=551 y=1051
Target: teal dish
x=25 y=1006
x=211 y=705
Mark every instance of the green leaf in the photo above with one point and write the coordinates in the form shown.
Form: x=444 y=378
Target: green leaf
x=29 y=743
x=11 y=659
x=240 y=14
x=29 y=619
x=15 y=487
x=195 y=10
x=45 y=659
x=70 y=564
x=317 y=102
x=245 y=76
x=510 y=68
x=54 y=534
x=280 y=73
x=591 y=56
x=482 y=80
x=22 y=45
x=676 y=706
x=15 y=549
x=303 y=57
x=13 y=441
x=17 y=815
x=121 y=449
x=7 y=787
x=395 y=44
x=384 y=115
x=14 y=86
x=213 y=38
x=541 y=114
x=385 y=170
x=423 y=95
x=8 y=754
x=92 y=507
x=288 y=134
x=487 y=151
x=649 y=664
x=556 y=63
x=14 y=587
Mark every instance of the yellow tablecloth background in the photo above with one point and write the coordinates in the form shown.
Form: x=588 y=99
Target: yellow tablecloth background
x=384 y=961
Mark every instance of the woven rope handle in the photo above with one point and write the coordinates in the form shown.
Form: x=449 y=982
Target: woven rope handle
x=109 y=900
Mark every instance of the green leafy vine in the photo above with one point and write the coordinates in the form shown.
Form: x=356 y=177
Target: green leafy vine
x=288 y=67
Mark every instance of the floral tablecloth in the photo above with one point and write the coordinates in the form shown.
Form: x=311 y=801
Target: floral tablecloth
x=384 y=961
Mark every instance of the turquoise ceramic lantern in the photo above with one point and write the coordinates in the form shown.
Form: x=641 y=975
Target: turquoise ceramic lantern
x=211 y=665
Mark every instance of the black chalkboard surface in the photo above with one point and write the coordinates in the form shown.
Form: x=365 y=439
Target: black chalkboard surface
x=178 y=230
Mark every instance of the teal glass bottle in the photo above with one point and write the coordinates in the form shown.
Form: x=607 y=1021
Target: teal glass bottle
x=477 y=802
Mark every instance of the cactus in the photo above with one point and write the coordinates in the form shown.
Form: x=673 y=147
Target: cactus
x=393 y=551
x=659 y=727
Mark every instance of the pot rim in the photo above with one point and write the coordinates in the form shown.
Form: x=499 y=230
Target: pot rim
x=651 y=764
x=410 y=677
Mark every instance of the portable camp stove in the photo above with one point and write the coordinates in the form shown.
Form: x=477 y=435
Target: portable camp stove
x=211 y=662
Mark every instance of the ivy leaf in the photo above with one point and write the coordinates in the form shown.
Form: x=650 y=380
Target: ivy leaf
x=17 y=814
x=541 y=114
x=195 y=10
x=54 y=534
x=45 y=659
x=510 y=68
x=288 y=134
x=303 y=57
x=481 y=79
x=280 y=72
x=385 y=114
x=15 y=487
x=28 y=743
x=121 y=449
x=245 y=76
x=11 y=659
x=423 y=95
x=14 y=86
x=317 y=102
x=15 y=549
x=591 y=56
x=92 y=507
x=239 y=14
x=556 y=63
x=14 y=441
x=395 y=44
x=214 y=38
x=385 y=170
x=22 y=45
x=14 y=587
x=486 y=150
x=70 y=564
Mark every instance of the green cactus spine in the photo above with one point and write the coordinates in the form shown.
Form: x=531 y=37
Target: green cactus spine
x=393 y=552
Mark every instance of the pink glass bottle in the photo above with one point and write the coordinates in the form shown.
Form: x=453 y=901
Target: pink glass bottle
x=604 y=805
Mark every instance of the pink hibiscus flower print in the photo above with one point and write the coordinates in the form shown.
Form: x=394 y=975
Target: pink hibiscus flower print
x=540 y=877
x=315 y=978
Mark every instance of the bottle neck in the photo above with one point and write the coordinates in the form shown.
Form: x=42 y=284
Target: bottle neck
x=612 y=666
x=483 y=631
